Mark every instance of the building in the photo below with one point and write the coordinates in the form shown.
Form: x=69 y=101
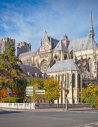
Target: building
x=83 y=51
x=52 y=51
x=23 y=47
x=4 y=43
x=68 y=76
x=30 y=71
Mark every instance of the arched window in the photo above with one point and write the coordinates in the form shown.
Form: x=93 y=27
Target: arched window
x=52 y=76
x=63 y=77
x=73 y=80
x=54 y=61
x=67 y=80
x=55 y=56
x=56 y=77
x=65 y=56
x=1 y=49
x=78 y=80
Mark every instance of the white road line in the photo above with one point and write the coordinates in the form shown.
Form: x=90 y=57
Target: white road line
x=87 y=125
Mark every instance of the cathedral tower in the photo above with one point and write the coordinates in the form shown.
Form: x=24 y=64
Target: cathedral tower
x=91 y=32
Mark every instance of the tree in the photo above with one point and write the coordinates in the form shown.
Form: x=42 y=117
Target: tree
x=52 y=89
x=9 y=69
x=38 y=84
x=90 y=94
x=21 y=88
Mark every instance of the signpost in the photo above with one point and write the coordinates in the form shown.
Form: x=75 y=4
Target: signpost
x=10 y=94
x=29 y=92
x=39 y=92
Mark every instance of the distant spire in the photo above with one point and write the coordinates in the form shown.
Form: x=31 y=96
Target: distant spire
x=50 y=43
x=91 y=32
x=41 y=42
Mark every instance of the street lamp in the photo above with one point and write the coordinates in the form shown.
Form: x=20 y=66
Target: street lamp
x=67 y=91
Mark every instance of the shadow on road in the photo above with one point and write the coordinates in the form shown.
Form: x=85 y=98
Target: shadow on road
x=9 y=112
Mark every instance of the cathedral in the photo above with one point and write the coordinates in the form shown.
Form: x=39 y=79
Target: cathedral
x=83 y=51
x=72 y=63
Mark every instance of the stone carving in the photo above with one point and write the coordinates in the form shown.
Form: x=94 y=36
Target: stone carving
x=43 y=55
x=44 y=66
x=46 y=45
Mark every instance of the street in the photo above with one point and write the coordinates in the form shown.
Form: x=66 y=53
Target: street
x=39 y=118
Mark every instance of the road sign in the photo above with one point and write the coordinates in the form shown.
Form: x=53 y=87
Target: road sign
x=39 y=91
x=29 y=91
x=10 y=92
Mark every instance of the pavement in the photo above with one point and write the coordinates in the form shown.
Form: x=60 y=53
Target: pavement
x=74 y=117
x=49 y=109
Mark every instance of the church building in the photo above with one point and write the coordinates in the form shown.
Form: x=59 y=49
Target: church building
x=73 y=64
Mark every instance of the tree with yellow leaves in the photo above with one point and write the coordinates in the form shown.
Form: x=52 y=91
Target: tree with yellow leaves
x=52 y=89
x=90 y=94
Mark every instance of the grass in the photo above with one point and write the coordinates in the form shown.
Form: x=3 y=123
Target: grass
x=12 y=99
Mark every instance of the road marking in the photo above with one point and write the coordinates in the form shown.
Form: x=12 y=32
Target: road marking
x=88 y=125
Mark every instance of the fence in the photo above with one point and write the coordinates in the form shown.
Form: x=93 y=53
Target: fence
x=46 y=106
x=18 y=105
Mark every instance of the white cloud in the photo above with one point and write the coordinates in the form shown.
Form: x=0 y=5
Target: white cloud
x=28 y=22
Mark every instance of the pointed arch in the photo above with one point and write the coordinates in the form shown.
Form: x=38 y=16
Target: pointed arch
x=78 y=80
x=68 y=80
x=73 y=80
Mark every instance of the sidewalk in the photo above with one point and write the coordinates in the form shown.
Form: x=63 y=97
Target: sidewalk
x=50 y=109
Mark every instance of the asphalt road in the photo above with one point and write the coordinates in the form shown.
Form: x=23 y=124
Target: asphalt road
x=49 y=119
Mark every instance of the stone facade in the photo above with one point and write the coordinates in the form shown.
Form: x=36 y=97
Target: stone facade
x=65 y=80
x=83 y=51
x=23 y=47
x=4 y=43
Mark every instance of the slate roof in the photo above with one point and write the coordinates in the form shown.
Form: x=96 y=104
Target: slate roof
x=27 y=56
x=60 y=46
x=54 y=42
x=31 y=69
x=82 y=44
x=64 y=65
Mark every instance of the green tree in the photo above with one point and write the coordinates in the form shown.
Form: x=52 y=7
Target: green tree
x=9 y=69
x=90 y=94
x=21 y=86
x=52 y=89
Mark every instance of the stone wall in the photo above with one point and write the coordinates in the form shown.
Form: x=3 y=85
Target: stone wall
x=23 y=47
x=4 y=43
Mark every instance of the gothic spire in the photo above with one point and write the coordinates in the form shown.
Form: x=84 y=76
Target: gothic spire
x=91 y=32
x=41 y=42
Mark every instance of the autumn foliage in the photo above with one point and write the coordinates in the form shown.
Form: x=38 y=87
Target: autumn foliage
x=52 y=89
x=4 y=93
x=90 y=95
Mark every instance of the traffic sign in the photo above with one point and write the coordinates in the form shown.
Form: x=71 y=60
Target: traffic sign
x=29 y=91
x=10 y=92
x=39 y=91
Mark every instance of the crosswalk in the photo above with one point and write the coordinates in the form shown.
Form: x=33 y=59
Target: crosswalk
x=88 y=125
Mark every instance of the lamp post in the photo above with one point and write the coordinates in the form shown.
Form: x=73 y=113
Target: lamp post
x=67 y=91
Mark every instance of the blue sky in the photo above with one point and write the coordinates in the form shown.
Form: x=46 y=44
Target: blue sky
x=27 y=20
